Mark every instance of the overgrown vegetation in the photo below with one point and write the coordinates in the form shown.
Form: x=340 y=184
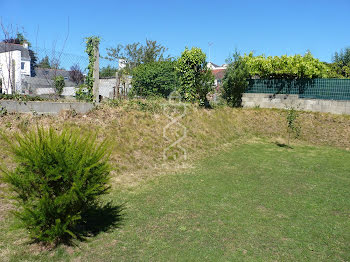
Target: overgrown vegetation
x=341 y=62
x=59 y=84
x=19 y=97
x=58 y=178
x=287 y=67
x=196 y=80
x=92 y=42
x=235 y=80
x=154 y=79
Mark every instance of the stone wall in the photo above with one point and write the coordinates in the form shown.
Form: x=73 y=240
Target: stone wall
x=285 y=101
x=44 y=107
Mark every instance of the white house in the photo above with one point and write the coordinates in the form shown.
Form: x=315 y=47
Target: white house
x=218 y=72
x=15 y=63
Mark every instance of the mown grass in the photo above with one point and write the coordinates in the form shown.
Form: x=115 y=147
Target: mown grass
x=253 y=202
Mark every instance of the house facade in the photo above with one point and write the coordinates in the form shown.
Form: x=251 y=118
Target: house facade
x=15 y=64
x=218 y=72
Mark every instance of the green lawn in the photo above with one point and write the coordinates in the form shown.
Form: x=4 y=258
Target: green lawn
x=255 y=202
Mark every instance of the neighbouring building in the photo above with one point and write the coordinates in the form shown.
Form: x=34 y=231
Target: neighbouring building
x=218 y=72
x=15 y=64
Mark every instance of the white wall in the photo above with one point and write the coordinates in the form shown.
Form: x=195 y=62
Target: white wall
x=26 y=70
x=7 y=61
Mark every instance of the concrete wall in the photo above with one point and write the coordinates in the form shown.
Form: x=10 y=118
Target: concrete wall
x=285 y=101
x=44 y=107
x=107 y=87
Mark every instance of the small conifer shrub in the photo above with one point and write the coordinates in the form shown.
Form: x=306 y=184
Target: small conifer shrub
x=58 y=177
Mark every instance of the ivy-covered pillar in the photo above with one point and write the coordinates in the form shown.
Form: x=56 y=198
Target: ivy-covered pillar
x=96 y=86
x=92 y=80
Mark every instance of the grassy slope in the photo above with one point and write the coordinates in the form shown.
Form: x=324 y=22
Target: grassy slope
x=254 y=202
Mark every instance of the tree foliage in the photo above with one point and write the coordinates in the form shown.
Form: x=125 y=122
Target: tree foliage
x=287 y=67
x=341 y=62
x=108 y=71
x=135 y=54
x=59 y=84
x=235 y=80
x=154 y=79
x=44 y=63
x=196 y=79
x=92 y=43
x=76 y=74
x=59 y=176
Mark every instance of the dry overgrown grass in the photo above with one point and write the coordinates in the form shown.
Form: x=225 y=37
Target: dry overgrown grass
x=135 y=131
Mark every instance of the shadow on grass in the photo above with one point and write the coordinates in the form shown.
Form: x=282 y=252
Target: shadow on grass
x=99 y=219
x=283 y=145
x=95 y=220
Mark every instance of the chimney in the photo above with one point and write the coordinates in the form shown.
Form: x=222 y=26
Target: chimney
x=25 y=45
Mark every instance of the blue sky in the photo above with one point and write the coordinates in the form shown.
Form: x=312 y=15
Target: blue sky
x=269 y=27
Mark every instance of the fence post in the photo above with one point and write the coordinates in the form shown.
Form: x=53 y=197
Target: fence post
x=96 y=86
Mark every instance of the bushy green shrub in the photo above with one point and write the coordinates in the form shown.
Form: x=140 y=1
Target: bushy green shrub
x=59 y=84
x=196 y=79
x=59 y=176
x=154 y=79
x=82 y=93
x=235 y=81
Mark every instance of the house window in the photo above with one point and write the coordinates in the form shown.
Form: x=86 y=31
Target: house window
x=22 y=65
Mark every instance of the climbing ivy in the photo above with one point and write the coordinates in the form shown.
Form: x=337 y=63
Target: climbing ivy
x=91 y=43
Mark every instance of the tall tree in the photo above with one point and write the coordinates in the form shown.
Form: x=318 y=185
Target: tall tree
x=44 y=63
x=342 y=61
x=235 y=80
x=135 y=54
x=196 y=79
x=76 y=75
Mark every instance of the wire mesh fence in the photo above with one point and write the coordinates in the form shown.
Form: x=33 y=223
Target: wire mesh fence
x=334 y=89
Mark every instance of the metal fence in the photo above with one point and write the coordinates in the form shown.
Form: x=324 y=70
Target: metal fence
x=334 y=89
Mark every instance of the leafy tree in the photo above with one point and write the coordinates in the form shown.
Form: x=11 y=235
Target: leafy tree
x=342 y=61
x=76 y=75
x=154 y=79
x=44 y=63
x=235 y=80
x=135 y=54
x=108 y=71
x=196 y=80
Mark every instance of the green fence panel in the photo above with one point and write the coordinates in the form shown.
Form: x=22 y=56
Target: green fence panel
x=335 y=89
